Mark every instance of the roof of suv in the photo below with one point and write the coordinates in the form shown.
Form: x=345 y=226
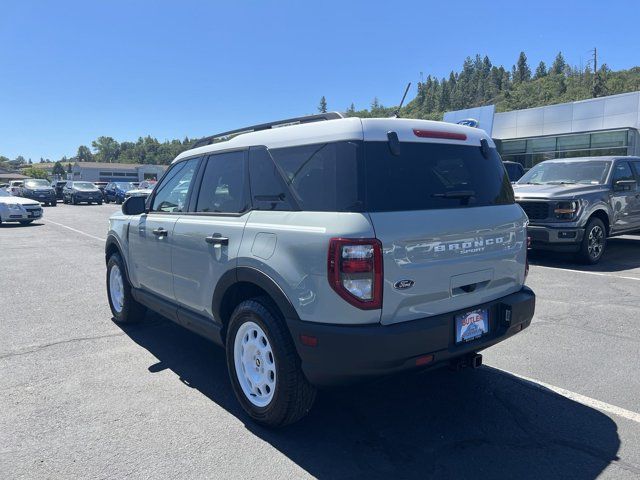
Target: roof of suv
x=344 y=129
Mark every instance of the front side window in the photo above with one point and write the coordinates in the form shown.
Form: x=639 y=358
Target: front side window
x=223 y=188
x=171 y=194
x=622 y=171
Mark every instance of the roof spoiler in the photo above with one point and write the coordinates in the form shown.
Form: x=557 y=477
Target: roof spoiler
x=224 y=136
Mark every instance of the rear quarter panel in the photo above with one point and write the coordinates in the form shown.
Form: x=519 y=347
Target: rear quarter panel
x=292 y=248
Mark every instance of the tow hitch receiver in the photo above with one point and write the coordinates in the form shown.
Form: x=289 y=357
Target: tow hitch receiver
x=473 y=360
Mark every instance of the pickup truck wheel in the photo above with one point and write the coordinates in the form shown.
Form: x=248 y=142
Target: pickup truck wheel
x=123 y=306
x=264 y=367
x=594 y=242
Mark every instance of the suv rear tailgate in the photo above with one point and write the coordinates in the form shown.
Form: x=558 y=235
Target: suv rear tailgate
x=452 y=259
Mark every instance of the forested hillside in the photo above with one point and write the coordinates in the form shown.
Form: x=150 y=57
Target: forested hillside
x=478 y=83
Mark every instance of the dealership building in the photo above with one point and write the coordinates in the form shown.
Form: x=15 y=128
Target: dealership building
x=116 y=172
x=599 y=126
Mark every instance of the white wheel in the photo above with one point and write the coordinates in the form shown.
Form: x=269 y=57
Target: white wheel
x=116 y=288
x=255 y=364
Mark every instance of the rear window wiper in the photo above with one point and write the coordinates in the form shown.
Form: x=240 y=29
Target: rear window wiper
x=455 y=194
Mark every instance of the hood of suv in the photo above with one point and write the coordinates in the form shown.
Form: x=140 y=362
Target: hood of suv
x=554 y=191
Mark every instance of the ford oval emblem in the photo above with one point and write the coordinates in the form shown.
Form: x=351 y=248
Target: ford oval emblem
x=403 y=284
x=469 y=122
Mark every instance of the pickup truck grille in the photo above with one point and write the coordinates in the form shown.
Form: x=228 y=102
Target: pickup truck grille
x=535 y=210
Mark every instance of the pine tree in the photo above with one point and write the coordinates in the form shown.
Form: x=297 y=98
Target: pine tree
x=523 y=72
x=351 y=111
x=541 y=71
x=322 y=107
x=559 y=65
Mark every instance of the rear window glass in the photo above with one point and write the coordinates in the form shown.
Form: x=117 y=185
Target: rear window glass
x=427 y=176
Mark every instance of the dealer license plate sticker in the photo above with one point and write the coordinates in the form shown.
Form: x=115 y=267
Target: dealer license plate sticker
x=472 y=325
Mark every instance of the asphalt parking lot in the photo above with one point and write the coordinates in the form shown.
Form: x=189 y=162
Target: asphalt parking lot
x=84 y=397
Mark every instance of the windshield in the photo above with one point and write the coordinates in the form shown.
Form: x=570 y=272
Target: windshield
x=562 y=173
x=85 y=185
x=36 y=183
x=514 y=171
x=126 y=186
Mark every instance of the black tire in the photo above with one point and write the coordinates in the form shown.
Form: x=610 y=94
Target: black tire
x=74 y=200
x=54 y=203
x=131 y=311
x=118 y=201
x=100 y=202
x=293 y=395
x=594 y=242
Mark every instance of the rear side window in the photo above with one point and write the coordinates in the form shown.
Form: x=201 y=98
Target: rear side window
x=322 y=177
x=223 y=188
x=268 y=186
x=427 y=176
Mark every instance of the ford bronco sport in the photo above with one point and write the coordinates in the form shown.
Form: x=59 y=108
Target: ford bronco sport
x=327 y=250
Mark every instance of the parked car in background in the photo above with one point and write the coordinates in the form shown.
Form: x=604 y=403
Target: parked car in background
x=58 y=186
x=101 y=186
x=4 y=186
x=144 y=189
x=515 y=170
x=328 y=252
x=40 y=190
x=79 y=192
x=18 y=209
x=115 y=191
x=15 y=186
x=574 y=204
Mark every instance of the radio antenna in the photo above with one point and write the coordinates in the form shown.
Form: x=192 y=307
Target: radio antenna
x=396 y=114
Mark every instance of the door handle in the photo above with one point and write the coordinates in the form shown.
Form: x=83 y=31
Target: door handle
x=160 y=232
x=216 y=239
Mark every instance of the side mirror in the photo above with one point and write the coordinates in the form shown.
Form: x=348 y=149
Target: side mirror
x=134 y=206
x=624 y=185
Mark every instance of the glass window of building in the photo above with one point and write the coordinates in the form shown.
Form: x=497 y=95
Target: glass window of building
x=609 y=139
x=574 y=142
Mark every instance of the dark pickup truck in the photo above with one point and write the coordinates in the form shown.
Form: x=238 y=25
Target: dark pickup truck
x=574 y=204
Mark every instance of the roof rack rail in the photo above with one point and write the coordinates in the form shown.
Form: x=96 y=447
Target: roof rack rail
x=266 y=126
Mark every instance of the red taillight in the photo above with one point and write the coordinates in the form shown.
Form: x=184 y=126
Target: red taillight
x=354 y=271
x=439 y=134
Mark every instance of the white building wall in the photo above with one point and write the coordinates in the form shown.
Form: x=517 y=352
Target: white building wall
x=615 y=111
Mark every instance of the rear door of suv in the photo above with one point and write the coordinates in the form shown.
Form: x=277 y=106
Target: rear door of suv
x=207 y=237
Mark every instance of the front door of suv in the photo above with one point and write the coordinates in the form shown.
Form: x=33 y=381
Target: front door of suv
x=207 y=238
x=151 y=234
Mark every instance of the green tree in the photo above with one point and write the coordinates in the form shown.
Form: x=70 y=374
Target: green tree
x=33 y=172
x=58 y=169
x=322 y=107
x=107 y=149
x=523 y=72
x=559 y=65
x=84 y=154
x=541 y=70
x=351 y=111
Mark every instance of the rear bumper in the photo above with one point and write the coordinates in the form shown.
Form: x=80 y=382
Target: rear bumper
x=563 y=239
x=349 y=353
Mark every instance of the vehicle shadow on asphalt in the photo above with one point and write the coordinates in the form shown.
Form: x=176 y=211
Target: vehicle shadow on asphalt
x=480 y=423
x=622 y=254
x=19 y=225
